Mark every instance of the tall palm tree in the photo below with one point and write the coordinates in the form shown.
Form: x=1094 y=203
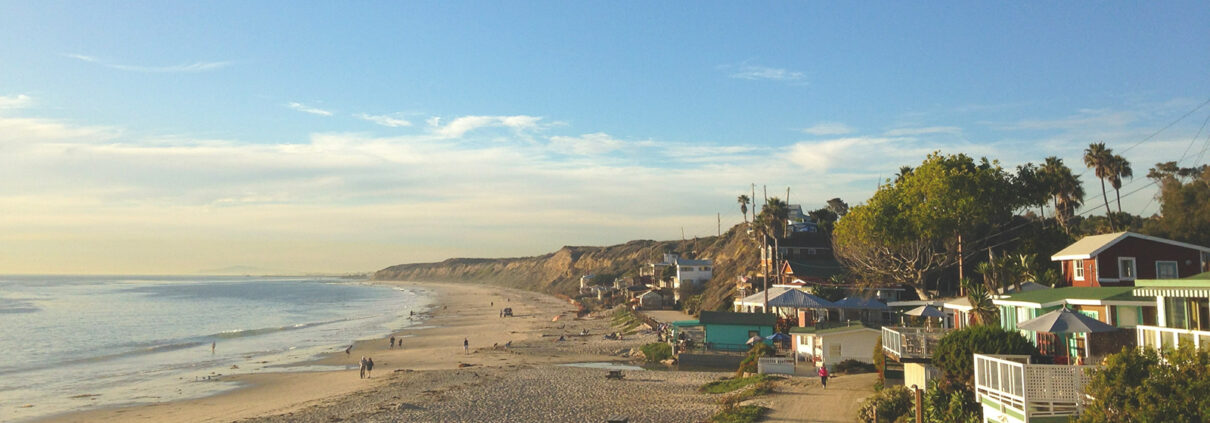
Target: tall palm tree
x=1064 y=187
x=904 y=171
x=1098 y=158
x=743 y=205
x=1119 y=168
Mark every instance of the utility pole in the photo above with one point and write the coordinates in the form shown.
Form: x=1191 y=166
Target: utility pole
x=720 y=224
x=764 y=263
x=682 y=233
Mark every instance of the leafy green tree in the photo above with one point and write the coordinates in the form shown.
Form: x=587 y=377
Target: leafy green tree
x=945 y=401
x=1141 y=385
x=955 y=351
x=838 y=206
x=1184 y=203
x=918 y=225
x=1099 y=158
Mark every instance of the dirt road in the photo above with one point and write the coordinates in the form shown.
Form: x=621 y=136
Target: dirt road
x=802 y=399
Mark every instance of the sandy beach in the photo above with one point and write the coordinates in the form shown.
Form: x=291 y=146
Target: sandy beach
x=431 y=378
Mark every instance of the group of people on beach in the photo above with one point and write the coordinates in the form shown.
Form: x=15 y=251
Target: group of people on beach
x=367 y=365
x=393 y=342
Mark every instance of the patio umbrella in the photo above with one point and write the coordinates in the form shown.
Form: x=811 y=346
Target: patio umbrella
x=754 y=340
x=925 y=311
x=1065 y=321
x=779 y=337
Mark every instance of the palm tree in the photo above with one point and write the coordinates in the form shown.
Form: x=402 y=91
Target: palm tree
x=773 y=216
x=743 y=205
x=1119 y=168
x=904 y=171
x=982 y=307
x=1099 y=158
x=1064 y=187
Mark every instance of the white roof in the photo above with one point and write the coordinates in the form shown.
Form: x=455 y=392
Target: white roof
x=759 y=297
x=1090 y=246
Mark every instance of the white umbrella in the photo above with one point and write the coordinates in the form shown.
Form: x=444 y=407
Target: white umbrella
x=1065 y=321
x=754 y=340
x=925 y=311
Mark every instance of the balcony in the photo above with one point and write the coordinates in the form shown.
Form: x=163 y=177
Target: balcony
x=1158 y=338
x=911 y=343
x=1009 y=388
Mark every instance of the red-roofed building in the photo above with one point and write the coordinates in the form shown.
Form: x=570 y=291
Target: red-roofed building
x=1118 y=259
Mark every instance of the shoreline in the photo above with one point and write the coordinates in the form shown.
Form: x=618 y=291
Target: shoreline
x=453 y=307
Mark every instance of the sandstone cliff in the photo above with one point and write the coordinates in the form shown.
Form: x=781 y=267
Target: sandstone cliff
x=559 y=272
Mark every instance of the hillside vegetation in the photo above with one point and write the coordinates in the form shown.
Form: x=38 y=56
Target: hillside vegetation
x=559 y=272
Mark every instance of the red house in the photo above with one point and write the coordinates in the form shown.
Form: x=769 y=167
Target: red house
x=1118 y=259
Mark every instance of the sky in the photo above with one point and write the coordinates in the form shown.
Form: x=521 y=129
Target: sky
x=351 y=136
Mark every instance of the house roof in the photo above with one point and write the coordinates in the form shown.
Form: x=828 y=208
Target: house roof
x=759 y=297
x=1074 y=295
x=838 y=329
x=1090 y=246
x=1194 y=286
x=822 y=269
x=729 y=318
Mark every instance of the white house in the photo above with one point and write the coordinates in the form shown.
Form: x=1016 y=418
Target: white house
x=833 y=345
x=691 y=272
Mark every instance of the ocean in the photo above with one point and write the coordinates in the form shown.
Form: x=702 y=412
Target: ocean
x=71 y=343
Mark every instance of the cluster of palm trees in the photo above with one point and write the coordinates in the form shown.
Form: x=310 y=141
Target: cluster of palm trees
x=1107 y=165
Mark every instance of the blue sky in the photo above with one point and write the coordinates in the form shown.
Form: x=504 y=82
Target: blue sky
x=351 y=136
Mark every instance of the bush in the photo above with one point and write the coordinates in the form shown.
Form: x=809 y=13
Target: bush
x=758 y=350
x=1146 y=386
x=955 y=352
x=946 y=401
x=731 y=384
x=743 y=414
x=879 y=363
x=657 y=351
x=888 y=405
x=852 y=366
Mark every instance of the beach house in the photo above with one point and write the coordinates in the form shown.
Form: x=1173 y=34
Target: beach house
x=1182 y=312
x=831 y=344
x=691 y=273
x=1118 y=259
x=1116 y=306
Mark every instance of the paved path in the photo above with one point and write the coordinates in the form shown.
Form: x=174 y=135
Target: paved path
x=802 y=399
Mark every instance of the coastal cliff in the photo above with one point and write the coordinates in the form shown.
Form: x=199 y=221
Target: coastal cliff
x=559 y=272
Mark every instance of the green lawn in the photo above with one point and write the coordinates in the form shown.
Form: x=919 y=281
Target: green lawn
x=732 y=384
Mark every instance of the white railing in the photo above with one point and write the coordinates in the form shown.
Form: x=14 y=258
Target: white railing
x=1156 y=337
x=911 y=342
x=1032 y=389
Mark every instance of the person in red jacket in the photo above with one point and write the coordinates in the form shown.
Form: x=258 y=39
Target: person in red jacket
x=823 y=375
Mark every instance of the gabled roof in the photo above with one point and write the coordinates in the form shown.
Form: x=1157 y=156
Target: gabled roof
x=745 y=319
x=759 y=297
x=1090 y=246
x=1074 y=295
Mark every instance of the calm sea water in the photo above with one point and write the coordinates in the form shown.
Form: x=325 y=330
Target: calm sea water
x=80 y=342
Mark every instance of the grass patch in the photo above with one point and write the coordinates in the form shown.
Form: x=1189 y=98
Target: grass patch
x=657 y=351
x=732 y=384
x=851 y=366
x=741 y=414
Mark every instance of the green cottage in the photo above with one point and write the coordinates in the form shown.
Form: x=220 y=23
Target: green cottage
x=727 y=331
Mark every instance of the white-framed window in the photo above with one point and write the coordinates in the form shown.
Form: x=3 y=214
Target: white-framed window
x=1126 y=268
x=1078 y=266
x=1166 y=270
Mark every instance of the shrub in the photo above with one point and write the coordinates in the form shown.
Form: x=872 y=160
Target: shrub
x=954 y=354
x=888 y=405
x=657 y=351
x=852 y=366
x=1146 y=386
x=879 y=362
x=758 y=350
x=731 y=384
x=742 y=414
x=947 y=401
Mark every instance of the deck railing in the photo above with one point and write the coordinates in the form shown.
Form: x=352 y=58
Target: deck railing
x=911 y=342
x=1035 y=390
x=1156 y=337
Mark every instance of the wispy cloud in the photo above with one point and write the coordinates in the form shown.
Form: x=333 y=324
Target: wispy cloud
x=766 y=73
x=185 y=67
x=828 y=128
x=587 y=144
x=461 y=125
x=899 y=132
x=385 y=120
x=308 y=109
x=15 y=101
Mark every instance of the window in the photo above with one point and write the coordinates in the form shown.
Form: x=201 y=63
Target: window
x=1166 y=270
x=1126 y=269
x=1078 y=265
x=686 y=269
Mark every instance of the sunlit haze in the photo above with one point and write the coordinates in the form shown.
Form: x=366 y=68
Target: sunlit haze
x=279 y=137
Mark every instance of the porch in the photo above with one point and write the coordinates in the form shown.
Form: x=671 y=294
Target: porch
x=1156 y=337
x=911 y=343
x=1009 y=388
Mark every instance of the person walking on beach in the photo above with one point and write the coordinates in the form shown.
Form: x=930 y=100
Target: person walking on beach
x=823 y=375
x=392 y=341
x=369 y=367
x=363 y=367
x=347 y=350
x=212 y=345
x=466 y=345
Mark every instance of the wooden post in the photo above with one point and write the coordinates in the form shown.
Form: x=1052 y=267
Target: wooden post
x=919 y=403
